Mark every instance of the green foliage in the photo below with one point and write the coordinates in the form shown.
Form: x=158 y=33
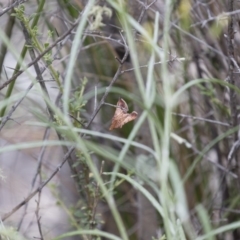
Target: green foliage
x=10 y=233
x=70 y=8
x=20 y=13
x=77 y=102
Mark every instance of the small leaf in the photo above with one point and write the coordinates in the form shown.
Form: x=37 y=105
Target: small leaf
x=46 y=45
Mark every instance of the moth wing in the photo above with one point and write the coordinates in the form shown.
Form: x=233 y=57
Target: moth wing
x=130 y=117
x=123 y=105
x=118 y=119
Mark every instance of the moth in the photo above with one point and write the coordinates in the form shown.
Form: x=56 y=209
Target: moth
x=121 y=115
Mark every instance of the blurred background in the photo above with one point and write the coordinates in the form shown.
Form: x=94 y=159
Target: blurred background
x=202 y=57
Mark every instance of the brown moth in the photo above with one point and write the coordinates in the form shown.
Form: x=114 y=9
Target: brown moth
x=121 y=116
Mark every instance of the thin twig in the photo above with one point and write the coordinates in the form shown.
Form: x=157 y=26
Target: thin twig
x=222 y=16
x=156 y=63
x=231 y=79
x=201 y=119
x=234 y=149
x=37 y=215
x=109 y=38
x=14 y=107
x=37 y=173
x=82 y=124
x=146 y=6
x=12 y=6
x=36 y=67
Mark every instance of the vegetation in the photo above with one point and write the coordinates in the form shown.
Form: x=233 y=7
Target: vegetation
x=76 y=163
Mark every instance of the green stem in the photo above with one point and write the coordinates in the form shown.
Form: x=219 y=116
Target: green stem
x=8 y=31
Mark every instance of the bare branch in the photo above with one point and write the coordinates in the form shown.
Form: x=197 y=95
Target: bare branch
x=12 y=6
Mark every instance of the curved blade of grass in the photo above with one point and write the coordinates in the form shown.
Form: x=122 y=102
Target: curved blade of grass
x=220 y=230
x=88 y=232
x=73 y=55
x=176 y=96
x=27 y=145
x=179 y=193
x=139 y=187
x=204 y=219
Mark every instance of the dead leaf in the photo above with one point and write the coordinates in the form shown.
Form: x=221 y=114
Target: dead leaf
x=121 y=116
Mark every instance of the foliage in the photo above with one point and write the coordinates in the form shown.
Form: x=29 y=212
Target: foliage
x=172 y=173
